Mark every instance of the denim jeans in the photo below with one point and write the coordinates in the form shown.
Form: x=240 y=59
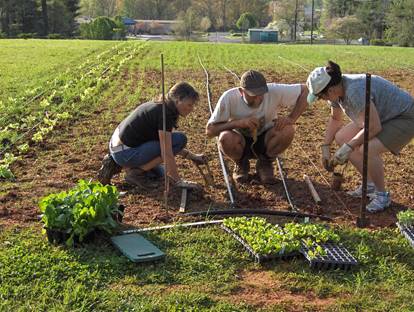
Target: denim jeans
x=134 y=157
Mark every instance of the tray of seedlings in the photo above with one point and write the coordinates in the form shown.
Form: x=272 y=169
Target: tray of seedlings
x=265 y=241
x=406 y=224
x=262 y=240
x=320 y=246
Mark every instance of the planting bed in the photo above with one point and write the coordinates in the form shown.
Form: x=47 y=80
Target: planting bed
x=76 y=152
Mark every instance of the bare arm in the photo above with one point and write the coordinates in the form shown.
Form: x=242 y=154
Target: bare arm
x=301 y=104
x=374 y=126
x=334 y=124
x=169 y=155
x=300 y=107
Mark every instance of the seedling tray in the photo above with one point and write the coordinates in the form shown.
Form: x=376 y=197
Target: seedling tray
x=258 y=257
x=337 y=257
x=408 y=232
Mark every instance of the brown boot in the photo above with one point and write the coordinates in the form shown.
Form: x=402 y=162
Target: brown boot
x=108 y=169
x=264 y=168
x=135 y=176
x=241 y=170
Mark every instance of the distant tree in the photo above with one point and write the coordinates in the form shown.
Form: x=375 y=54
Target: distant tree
x=373 y=15
x=188 y=22
x=284 y=12
x=246 y=21
x=101 y=28
x=45 y=18
x=205 y=24
x=401 y=23
x=347 y=28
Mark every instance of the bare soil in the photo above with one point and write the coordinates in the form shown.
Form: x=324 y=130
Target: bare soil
x=75 y=152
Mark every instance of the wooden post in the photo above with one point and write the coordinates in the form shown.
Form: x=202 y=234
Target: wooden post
x=312 y=189
x=164 y=130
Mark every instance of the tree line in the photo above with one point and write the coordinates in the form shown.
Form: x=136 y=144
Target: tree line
x=41 y=18
x=386 y=21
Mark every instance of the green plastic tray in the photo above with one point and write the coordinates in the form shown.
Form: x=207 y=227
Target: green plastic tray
x=137 y=248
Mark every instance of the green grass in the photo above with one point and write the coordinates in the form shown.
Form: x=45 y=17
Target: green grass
x=200 y=270
x=279 y=57
x=203 y=266
x=25 y=64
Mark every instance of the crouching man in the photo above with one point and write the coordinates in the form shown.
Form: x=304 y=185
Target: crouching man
x=247 y=124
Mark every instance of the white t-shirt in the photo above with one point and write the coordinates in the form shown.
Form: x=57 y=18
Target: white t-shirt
x=231 y=105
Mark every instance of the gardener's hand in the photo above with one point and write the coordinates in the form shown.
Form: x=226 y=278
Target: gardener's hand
x=342 y=154
x=187 y=184
x=282 y=122
x=248 y=123
x=326 y=157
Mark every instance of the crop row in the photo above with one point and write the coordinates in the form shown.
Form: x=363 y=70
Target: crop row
x=28 y=119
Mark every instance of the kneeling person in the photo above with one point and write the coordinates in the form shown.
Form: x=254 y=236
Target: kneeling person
x=137 y=142
x=248 y=126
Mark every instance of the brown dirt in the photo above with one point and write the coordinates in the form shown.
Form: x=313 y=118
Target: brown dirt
x=260 y=289
x=75 y=152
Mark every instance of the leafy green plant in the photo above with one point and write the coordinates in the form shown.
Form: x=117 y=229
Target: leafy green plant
x=406 y=217
x=88 y=207
x=266 y=238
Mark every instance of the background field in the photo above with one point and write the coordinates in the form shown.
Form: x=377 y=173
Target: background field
x=204 y=267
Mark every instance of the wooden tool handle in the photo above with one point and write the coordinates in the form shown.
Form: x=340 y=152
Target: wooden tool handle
x=312 y=189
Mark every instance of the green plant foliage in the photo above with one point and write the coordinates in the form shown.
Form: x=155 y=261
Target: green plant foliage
x=406 y=217
x=87 y=207
x=266 y=238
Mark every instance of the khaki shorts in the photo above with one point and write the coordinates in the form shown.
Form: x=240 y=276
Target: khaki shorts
x=397 y=132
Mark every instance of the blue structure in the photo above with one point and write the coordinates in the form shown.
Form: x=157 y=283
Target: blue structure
x=263 y=35
x=128 y=21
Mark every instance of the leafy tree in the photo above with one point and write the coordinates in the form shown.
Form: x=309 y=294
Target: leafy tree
x=205 y=24
x=284 y=16
x=373 y=14
x=400 y=21
x=246 y=21
x=101 y=28
x=347 y=28
x=188 y=22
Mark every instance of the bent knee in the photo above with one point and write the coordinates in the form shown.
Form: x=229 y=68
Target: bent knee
x=230 y=138
x=179 y=141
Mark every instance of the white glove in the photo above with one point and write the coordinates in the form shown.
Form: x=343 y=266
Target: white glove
x=187 y=184
x=342 y=154
x=326 y=157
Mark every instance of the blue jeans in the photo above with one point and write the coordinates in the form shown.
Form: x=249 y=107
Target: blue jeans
x=134 y=157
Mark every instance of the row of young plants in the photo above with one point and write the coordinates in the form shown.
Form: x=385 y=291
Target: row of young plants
x=270 y=239
x=86 y=208
x=28 y=119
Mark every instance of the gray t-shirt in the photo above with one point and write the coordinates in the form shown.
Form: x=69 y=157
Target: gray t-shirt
x=390 y=101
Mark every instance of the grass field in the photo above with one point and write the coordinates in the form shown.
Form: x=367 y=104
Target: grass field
x=205 y=269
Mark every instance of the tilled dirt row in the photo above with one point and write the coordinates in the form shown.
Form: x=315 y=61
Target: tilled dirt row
x=75 y=152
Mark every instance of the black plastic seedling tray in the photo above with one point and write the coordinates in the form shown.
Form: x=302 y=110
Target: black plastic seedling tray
x=408 y=232
x=258 y=257
x=337 y=257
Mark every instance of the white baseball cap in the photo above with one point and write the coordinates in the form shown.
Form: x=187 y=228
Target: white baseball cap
x=317 y=80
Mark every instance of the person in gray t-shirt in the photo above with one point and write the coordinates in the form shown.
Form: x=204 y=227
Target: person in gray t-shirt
x=391 y=124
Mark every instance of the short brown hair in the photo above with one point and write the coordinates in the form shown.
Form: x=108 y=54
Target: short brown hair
x=179 y=91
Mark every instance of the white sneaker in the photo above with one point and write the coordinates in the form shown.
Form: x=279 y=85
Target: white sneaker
x=358 y=191
x=379 y=202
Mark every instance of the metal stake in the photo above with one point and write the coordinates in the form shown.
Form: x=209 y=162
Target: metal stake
x=164 y=130
x=362 y=221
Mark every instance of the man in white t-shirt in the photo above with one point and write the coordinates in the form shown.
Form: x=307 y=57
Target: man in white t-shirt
x=248 y=126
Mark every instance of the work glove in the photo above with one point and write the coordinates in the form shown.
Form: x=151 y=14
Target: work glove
x=187 y=184
x=342 y=154
x=326 y=157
